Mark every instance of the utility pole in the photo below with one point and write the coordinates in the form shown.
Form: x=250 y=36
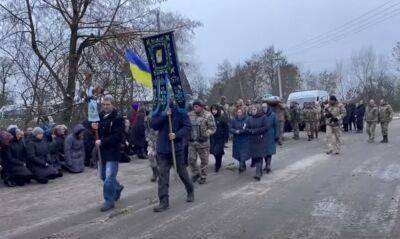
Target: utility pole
x=280 y=82
x=158 y=21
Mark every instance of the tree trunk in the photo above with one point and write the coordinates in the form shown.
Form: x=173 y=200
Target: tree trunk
x=73 y=60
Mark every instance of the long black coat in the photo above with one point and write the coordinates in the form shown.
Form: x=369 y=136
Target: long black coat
x=217 y=140
x=256 y=128
x=56 y=148
x=14 y=160
x=137 y=132
x=38 y=158
x=111 y=130
x=360 y=112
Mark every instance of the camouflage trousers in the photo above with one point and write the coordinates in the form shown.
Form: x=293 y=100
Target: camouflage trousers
x=152 y=155
x=295 y=127
x=333 y=138
x=385 y=128
x=317 y=125
x=281 y=129
x=204 y=154
x=371 y=130
x=310 y=128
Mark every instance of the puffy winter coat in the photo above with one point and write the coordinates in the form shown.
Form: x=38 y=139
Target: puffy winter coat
x=74 y=149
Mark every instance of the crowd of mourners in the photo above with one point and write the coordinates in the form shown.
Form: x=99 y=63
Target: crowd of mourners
x=255 y=128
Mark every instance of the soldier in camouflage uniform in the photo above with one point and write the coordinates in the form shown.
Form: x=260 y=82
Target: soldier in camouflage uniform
x=318 y=113
x=151 y=138
x=309 y=116
x=385 y=117
x=334 y=113
x=372 y=118
x=294 y=112
x=203 y=126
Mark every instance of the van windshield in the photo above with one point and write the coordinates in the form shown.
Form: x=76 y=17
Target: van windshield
x=302 y=100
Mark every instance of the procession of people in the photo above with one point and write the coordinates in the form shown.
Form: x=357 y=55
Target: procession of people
x=178 y=140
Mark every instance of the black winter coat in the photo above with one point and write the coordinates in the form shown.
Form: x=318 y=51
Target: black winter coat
x=137 y=132
x=360 y=112
x=218 y=139
x=56 y=148
x=111 y=130
x=181 y=126
x=256 y=128
x=14 y=160
x=38 y=158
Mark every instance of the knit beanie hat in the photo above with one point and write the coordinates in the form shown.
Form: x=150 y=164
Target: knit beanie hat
x=37 y=130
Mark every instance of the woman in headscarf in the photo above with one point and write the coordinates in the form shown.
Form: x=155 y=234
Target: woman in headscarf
x=38 y=158
x=217 y=140
x=240 y=145
x=13 y=158
x=256 y=128
x=57 y=147
x=74 y=149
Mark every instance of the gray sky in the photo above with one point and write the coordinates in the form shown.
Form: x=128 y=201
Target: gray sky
x=235 y=29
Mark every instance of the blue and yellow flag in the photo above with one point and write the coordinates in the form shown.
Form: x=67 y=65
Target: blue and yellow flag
x=140 y=71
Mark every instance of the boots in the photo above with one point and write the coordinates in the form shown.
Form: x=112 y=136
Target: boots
x=164 y=205
x=268 y=165
x=155 y=174
x=309 y=138
x=190 y=197
x=385 y=139
x=316 y=134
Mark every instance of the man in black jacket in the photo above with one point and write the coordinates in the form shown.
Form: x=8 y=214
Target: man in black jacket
x=181 y=128
x=111 y=128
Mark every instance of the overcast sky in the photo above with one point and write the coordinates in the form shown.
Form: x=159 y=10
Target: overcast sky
x=235 y=29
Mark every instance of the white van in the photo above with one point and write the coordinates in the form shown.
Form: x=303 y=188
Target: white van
x=308 y=96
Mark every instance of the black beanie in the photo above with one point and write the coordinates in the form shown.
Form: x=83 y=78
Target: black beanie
x=333 y=98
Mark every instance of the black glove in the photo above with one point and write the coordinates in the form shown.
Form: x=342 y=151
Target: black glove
x=335 y=120
x=328 y=115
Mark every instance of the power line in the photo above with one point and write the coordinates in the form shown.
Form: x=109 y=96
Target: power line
x=345 y=25
x=375 y=14
x=341 y=35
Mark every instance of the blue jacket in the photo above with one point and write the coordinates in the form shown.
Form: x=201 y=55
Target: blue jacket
x=256 y=128
x=180 y=126
x=272 y=135
x=240 y=145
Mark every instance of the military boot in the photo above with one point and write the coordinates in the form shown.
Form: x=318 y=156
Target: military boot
x=309 y=138
x=385 y=139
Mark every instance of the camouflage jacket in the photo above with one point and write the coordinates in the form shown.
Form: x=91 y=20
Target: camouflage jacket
x=372 y=114
x=309 y=115
x=385 y=113
x=203 y=126
x=318 y=112
x=338 y=112
x=295 y=114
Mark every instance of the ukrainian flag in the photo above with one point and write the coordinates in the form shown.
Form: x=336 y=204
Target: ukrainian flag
x=140 y=70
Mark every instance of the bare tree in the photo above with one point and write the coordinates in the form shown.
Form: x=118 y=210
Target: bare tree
x=71 y=37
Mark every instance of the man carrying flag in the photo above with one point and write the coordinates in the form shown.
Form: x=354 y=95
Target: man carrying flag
x=181 y=129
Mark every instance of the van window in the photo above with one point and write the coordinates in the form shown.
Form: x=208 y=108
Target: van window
x=302 y=100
